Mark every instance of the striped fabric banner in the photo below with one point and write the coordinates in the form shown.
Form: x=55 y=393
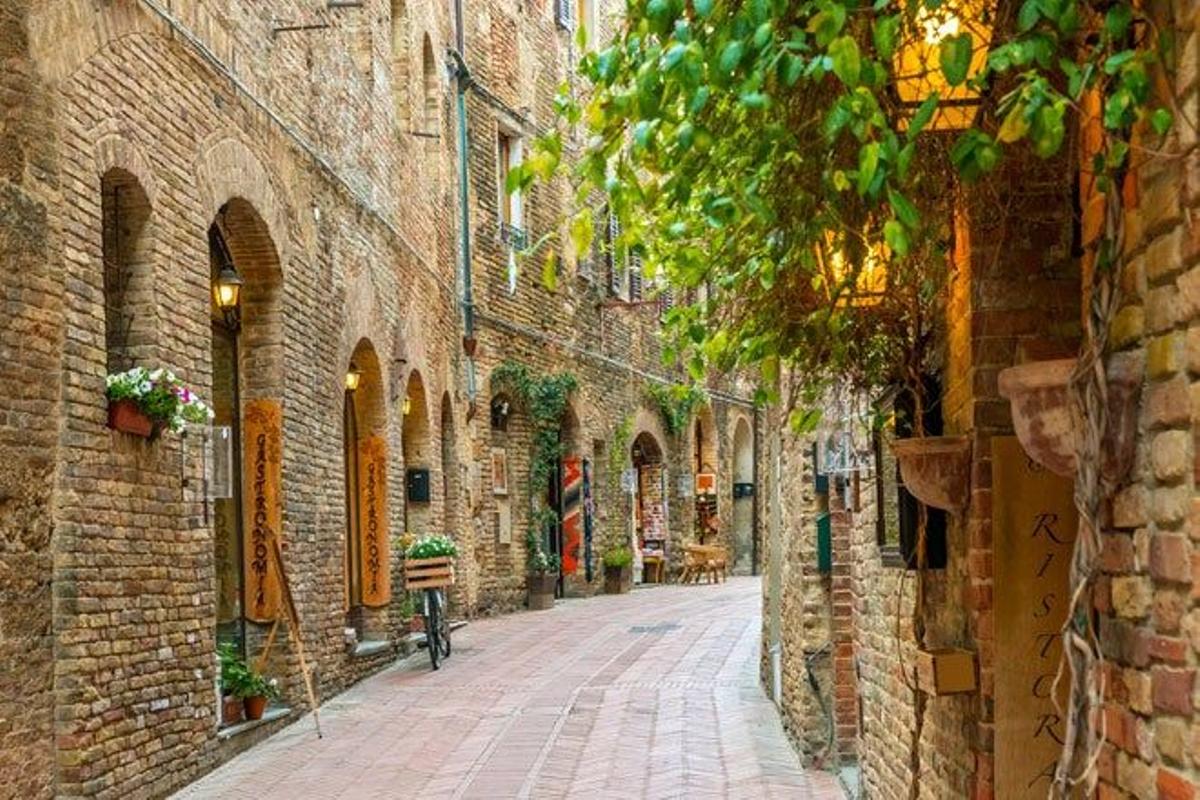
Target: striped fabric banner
x=572 y=508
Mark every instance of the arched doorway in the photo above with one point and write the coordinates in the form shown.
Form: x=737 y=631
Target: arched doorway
x=247 y=351
x=704 y=470
x=415 y=447
x=743 y=498
x=649 y=509
x=364 y=453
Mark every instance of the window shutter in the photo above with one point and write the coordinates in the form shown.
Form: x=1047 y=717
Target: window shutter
x=616 y=277
x=635 y=277
x=564 y=14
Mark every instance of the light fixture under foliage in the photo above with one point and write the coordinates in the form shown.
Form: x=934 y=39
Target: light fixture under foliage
x=934 y=46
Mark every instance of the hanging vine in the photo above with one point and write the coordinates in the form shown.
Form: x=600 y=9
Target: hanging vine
x=676 y=404
x=545 y=399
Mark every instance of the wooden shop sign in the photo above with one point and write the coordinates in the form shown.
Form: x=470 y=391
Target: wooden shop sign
x=1033 y=533
x=262 y=505
x=373 y=521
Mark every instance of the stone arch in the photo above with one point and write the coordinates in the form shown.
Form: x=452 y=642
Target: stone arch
x=127 y=265
x=65 y=34
x=570 y=431
x=416 y=449
x=227 y=168
x=705 y=455
x=743 y=502
x=364 y=449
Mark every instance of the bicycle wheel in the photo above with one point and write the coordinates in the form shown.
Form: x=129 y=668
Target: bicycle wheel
x=443 y=625
x=433 y=623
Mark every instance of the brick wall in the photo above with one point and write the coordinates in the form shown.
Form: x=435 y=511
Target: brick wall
x=344 y=224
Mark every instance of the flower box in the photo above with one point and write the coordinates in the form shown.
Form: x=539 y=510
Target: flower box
x=126 y=417
x=428 y=573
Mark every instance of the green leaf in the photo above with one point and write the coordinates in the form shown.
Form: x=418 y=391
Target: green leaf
x=884 y=34
x=896 y=237
x=582 y=232
x=793 y=68
x=847 y=63
x=703 y=7
x=1117 y=20
x=955 y=54
x=922 y=117
x=753 y=100
x=731 y=56
x=1160 y=121
x=1015 y=124
x=1048 y=129
x=550 y=271
x=868 y=164
x=1029 y=15
x=905 y=210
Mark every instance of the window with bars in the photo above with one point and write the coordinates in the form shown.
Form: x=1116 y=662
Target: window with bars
x=564 y=14
x=615 y=257
x=511 y=211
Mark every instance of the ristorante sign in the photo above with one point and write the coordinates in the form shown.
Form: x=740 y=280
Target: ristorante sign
x=1033 y=533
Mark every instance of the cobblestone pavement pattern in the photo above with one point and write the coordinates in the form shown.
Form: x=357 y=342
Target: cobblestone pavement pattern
x=652 y=694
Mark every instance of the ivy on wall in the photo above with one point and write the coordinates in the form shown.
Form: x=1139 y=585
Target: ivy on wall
x=676 y=404
x=544 y=398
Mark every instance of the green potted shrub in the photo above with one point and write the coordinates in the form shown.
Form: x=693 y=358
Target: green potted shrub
x=255 y=690
x=618 y=570
x=542 y=574
x=233 y=671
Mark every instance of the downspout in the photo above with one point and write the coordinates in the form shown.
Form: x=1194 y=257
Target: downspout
x=756 y=445
x=462 y=77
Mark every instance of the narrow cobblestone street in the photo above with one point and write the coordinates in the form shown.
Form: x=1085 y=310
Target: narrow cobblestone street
x=651 y=694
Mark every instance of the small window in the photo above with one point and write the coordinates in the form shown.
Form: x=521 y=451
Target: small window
x=508 y=156
x=616 y=257
x=429 y=84
x=129 y=312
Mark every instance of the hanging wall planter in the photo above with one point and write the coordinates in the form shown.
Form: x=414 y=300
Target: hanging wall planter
x=936 y=469
x=1044 y=418
x=125 y=416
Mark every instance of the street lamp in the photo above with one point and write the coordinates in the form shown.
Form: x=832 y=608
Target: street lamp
x=918 y=60
x=353 y=376
x=227 y=293
x=407 y=408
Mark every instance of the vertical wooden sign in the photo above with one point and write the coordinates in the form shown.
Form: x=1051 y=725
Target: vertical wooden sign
x=373 y=521
x=1033 y=533
x=262 y=505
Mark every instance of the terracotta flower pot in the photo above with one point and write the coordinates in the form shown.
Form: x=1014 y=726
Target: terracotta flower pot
x=416 y=624
x=1044 y=416
x=618 y=580
x=541 y=590
x=125 y=416
x=936 y=469
x=231 y=710
x=255 y=706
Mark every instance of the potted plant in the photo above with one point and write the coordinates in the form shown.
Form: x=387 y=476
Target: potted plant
x=936 y=469
x=429 y=563
x=1044 y=416
x=143 y=402
x=255 y=691
x=618 y=570
x=542 y=574
x=410 y=620
x=233 y=671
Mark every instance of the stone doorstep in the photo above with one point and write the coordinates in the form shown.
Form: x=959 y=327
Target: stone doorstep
x=270 y=715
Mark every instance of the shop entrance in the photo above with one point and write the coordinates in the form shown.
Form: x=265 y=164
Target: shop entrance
x=649 y=510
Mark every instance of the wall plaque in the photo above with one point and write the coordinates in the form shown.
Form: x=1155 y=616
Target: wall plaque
x=373 y=521
x=1033 y=533
x=262 y=505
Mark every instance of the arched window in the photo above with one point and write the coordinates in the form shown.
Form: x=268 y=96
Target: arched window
x=400 y=66
x=429 y=84
x=129 y=310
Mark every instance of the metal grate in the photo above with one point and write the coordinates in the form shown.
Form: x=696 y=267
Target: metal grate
x=660 y=627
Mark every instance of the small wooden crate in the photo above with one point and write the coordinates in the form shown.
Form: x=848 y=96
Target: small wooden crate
x=946 y=671
x=428 y=573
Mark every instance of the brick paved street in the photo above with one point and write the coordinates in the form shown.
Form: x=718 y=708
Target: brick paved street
x=651 y=694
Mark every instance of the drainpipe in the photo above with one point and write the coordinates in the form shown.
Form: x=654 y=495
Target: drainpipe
x=462 y=77
x=756 y=446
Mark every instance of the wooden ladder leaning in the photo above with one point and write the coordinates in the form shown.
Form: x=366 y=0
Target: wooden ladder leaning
x=293 y=618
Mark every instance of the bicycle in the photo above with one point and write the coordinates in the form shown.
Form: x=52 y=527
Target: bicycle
x=437 y=627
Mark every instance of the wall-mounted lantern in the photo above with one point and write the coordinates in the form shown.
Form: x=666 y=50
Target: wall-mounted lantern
x=227 y=293
x=353 y=377
x=918 y=60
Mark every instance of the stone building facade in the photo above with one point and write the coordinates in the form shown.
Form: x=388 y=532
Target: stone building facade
x=1013 y=296
x=146 y=147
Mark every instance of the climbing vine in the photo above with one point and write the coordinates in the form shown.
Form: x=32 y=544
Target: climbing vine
x=618 y=455
x=544 y=398
x=676 y=404
x=768 y=157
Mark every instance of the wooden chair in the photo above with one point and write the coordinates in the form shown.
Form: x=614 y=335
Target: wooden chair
x=702 y=559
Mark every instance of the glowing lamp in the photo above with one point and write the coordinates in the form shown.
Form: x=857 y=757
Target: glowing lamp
x=353 y=376
x=918 y=61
